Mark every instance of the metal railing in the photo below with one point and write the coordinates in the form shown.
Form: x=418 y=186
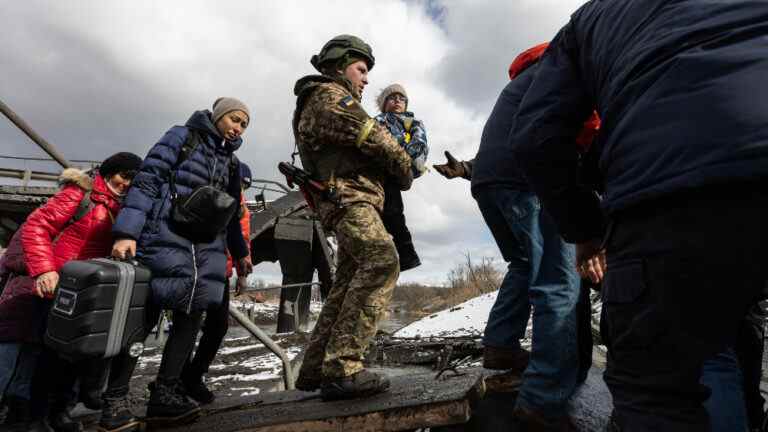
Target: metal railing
x=40 y=141
x=289 y=376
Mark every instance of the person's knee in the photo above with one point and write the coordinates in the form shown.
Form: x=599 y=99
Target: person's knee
x=383 y=256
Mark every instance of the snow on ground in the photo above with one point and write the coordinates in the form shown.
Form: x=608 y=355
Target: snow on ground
x=268 y=310
x=145 y=360
x=270 y=361
x=234 y=350
x=266 y=367
x=466 y=319
x=262 y=376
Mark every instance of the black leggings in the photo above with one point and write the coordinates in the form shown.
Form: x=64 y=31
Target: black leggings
x=214 y=329
x=52 y=385
x=393 y=217
x=180 y=343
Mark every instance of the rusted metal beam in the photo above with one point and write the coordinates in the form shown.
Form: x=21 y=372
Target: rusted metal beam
x=40 y=141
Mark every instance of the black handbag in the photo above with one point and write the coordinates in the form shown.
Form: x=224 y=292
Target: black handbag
x=204 y=213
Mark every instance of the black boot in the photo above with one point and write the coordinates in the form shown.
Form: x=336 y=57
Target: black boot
x=3 y=413
x=116 y=415
x=92 y=381
x=361 y=384
x=91 y=399
x=168 y=404
x=17 y=413
x=532 y=421
x=409 y=259
x=60 y=421
x=512 y=359
x=196 y=389
x=37 y=426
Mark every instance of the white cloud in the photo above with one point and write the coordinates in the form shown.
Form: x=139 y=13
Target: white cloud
x=99 y=77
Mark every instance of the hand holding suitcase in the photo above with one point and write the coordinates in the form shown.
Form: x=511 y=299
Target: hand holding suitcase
x=99 y=309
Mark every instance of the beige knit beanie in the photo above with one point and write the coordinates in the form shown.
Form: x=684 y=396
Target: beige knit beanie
x=224 y=105
x=388 y=91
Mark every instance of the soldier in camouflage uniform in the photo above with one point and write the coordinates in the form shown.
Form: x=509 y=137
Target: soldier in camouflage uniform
x=347 y=150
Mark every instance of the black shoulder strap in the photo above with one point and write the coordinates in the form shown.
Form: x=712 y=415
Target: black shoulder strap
x=189 y=147
x=234 y=168
x=85 y=206
x=234 y=165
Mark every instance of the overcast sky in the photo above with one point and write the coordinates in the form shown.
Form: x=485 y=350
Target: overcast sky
x=96 y=77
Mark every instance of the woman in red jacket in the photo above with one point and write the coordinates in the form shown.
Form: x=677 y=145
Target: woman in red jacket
x=76 y=223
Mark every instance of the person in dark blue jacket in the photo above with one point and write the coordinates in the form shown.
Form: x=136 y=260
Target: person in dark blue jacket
x=679 y=86
x=187 y=277
x=541 y=273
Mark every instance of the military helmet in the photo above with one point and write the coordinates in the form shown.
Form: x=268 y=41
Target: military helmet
x=340 y=47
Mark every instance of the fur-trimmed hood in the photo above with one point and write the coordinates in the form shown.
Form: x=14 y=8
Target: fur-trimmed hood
x=75 y=176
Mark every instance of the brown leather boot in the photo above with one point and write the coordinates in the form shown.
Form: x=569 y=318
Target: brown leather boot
x=531 y=421
x=514 y=359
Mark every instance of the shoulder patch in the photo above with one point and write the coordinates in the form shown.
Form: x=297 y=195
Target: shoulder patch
x=346 y=102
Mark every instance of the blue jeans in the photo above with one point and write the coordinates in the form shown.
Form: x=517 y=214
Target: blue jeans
x=17 y=367
x=726 y=406
x=541 y=275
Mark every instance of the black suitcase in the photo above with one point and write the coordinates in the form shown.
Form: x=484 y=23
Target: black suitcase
x=99 y=309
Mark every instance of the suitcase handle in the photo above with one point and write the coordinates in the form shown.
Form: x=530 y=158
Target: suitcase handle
x=130 y=259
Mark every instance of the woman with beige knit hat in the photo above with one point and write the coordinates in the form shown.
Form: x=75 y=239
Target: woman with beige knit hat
x=184 y=243
x=410 y=134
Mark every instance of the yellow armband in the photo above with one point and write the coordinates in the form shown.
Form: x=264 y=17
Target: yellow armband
x=365 y=131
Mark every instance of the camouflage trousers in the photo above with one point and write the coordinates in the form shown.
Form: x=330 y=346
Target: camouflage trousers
x=365 y=278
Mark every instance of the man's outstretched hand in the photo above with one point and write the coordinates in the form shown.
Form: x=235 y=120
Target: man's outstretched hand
x=452 y=168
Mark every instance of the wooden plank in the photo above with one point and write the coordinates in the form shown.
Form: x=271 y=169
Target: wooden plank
x=414 y=401
x=409 y=418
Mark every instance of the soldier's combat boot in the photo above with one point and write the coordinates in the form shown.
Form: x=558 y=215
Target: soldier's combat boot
x=169 y=405
x=308 y=383
x=361 y=384
x=116 y=415
x=513 y=359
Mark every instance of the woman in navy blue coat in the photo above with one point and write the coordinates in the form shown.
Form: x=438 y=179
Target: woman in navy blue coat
x=187 y=277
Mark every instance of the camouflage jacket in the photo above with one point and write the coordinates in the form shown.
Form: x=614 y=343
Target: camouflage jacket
x=341 y=145
x=411 y=136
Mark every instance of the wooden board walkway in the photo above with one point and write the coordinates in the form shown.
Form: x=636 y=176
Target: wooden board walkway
x=414 y=401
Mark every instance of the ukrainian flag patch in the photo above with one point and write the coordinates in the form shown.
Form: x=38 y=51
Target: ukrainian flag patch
x=346 y=102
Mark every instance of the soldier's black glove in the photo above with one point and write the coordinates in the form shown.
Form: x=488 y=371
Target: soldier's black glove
x=453 y=168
